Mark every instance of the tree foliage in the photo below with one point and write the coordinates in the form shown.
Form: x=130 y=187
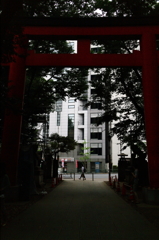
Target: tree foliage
x=38 y=8
x=62 y=144
x=128 y=8
x=85 y=153
x=59 y=8
x=120 y=90
x=41 y=93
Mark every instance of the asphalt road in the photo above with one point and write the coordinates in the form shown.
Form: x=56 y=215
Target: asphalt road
x=90 y=176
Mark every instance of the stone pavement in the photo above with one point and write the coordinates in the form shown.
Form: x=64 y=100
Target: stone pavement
x=80 y=210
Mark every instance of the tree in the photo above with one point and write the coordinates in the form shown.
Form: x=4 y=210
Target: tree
x=58 y=144
x=59 y=8
x=72 y=8
x=119 y=90
x=85 y=152
x=43 y=85
x=123 y=8
x=61 y=143
x=40 y=95
x=11 y=12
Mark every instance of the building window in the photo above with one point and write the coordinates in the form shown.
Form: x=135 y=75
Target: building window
x=80 y=119
x=96 y=148
x=80 y=150
x=95 y=118
x=71 y=106
x=96 y=133
x=58 y=118
x=59 y=106
x=96 y=105
x=94 y=77
x=71 y=120
x=71 y=100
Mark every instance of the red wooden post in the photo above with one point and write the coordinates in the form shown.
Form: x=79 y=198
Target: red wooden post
x=83 y=47
x=151 y=103
x=13 y=115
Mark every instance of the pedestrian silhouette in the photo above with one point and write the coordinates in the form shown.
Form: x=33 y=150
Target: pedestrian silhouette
x=82 y=173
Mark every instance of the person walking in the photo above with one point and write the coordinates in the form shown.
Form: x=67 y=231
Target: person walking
x=82 y=173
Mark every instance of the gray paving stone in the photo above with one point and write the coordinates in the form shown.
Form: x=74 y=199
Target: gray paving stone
x=80 y=210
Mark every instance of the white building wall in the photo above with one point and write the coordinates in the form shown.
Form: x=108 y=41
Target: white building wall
x=79 y=128
x=81 y=125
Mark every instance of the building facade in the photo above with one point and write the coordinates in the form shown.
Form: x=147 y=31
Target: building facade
x=71 y=118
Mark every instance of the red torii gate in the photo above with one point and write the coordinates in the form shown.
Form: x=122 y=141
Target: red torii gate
x=83 y=30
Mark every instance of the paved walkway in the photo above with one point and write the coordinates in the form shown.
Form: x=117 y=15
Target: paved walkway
x=80 y=210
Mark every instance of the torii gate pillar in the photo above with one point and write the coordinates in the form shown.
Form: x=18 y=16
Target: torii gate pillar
x=150 y=78
x=13 y=115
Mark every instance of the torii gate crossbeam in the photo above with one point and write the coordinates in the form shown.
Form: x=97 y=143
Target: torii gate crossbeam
x=146 y=30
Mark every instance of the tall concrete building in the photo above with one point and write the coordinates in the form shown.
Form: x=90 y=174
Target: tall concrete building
x=71 y=118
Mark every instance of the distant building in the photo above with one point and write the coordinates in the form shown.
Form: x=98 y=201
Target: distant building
x=71 y=118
